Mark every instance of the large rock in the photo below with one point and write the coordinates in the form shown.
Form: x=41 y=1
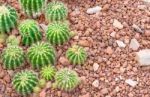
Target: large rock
x=94 y=10
x=143 y=57
x=134 y=44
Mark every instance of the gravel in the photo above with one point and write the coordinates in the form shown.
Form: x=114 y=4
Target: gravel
x=93 y=10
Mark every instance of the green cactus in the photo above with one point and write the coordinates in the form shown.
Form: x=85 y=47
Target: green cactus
x=25 y=81
x=41 y=54
x=76 y=55
x=66 y=79
x=12 y=57
x=30 y=32
x=12 y=40
x=42 y=83
x=56 y=11
x=8 y=18
x=48 y=72
x=58 y=33
x=32 y=7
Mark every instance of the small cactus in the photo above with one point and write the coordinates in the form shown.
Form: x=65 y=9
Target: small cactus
x=8 y=18
x=56 y=11
x=24 y=82
x=30 y=32
x=12 y=40
x=58 y=33
x=12 y=57
x=32 y=7
x=66 y=79
x=41 y=54
x=48 y=72
x=42 y=83
x=76 y=55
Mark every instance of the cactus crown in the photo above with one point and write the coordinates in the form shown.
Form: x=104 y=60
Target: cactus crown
x=76 y=55
x=12 y=40
x=41 y=54
x=24 y=82
x=12 y=57
x=58 y=33
x=66 y=79
x=56 y=11
x=30 y=32
x=8 y=18
x=48 y=72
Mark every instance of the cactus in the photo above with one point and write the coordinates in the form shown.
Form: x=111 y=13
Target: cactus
x=32 y=7
x=76 y=55
x=8 y=18
x=12 y=57
x=42 y=83
x=56 y=11
x=12 y=40
x=30 y=32
x=58 y=33
x=66 y=79
x=41 y=54
x=48 y=72
x=24 y=82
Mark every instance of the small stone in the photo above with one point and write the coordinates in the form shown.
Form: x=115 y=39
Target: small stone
x=96 y=83
x=84 y=43
x=109 y=50
x=104 y=91
x=137 y=28
x=121 y=44
x=64 y=61
x=86 y=95
x=93 y=10
x=95 y=66
x=113 y=34
x=44 y=27
x=143 y=57
x=10 y=72
x=134 y=44
x=131 y=82
x=117 y=24
x=141 y=7
x=148 y=1
x=117 y=89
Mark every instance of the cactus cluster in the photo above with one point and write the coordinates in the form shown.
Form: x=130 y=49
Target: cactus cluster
x=8 y=18
x=66 y=79
x=12 y=40
x=48 y=72
x=76 y=54
x=41 y=54
x=30 y=32
x=32 y=7
x=12 y=57
x=58 y=33
x=56 y=11
x=24 y=82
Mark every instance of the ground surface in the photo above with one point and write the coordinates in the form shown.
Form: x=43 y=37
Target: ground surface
x=93 y=32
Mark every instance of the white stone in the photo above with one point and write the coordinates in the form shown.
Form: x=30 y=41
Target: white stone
x=96 y=83
x=95 y=66
x=117 y=24
x=148 y=1
x=143 y=57
x=94 y=10
x=134 y=44
x=131 y=82
x=44 y=27
x=137 y=28
x=121 y=44
x=113 y=34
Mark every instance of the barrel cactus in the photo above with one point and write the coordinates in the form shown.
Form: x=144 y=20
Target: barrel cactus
x=12 y=40
x=24 y=82
x=30 y=32
x=56 y=11
x=32 y=7
x=48 y=72
x=76 y=54
x=58 y=33
x=12 y=57
x=41 y=54
x=66 y=79
x=8 y=18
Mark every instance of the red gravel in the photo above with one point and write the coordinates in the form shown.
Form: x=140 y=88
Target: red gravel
x=93 y=32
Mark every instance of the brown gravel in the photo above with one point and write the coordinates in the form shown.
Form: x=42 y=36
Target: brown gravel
x=93 y=32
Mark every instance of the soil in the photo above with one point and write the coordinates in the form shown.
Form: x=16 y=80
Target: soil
x=93 y=32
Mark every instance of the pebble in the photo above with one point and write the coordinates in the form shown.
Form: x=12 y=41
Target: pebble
x=95 y=83
x=134 y=44
x=109 y=50
x=137 y=28
x=143 y=57
x=148 y=1
x=121 y=44
x=131 y=82
x=93 y=10
x=104 y=91
x=44 y=27
x=86 y=95
x=113 y=34
x=64 y=61
x=95 y=66
x=84 y=43
x=117 y=24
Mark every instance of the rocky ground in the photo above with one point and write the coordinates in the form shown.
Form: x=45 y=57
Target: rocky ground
x=111 y=37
